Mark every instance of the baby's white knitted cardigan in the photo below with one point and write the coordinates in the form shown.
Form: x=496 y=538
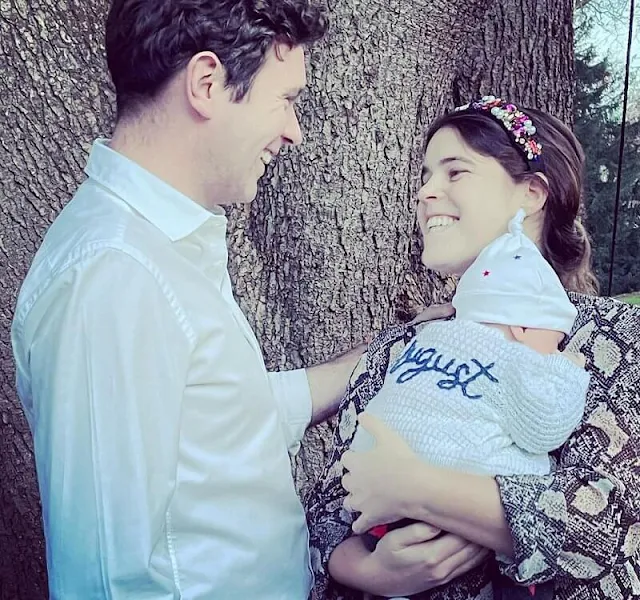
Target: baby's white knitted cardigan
x=465 y=397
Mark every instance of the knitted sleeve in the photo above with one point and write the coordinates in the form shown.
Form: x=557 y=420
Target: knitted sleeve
x=582 y=522
x=548 y=404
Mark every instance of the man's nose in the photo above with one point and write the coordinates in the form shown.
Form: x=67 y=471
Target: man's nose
x=293 y=132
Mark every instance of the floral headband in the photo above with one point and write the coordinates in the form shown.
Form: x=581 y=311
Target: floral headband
x=517 y=123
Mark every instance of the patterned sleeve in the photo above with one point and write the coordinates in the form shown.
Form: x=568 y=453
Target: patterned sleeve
x=329 y=524
x=583 y=520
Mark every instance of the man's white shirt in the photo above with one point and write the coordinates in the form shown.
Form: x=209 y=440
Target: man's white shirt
x=161 y=441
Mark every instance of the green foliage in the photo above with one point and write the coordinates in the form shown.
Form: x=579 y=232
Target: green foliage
x=631 y=298
x=597 y=125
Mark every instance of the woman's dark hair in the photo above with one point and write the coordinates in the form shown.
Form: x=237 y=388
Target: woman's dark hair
x=149 y=41
x=564 y=243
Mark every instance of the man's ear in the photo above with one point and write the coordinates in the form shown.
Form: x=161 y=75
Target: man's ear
x=205 y=79
x=536 y=191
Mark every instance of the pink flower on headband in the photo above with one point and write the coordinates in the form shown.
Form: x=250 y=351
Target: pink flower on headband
x=517 y=123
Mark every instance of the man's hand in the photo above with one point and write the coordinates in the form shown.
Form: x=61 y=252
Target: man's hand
x=379 y=481
x=434 y=313
x=328 y=382
x=406 y=561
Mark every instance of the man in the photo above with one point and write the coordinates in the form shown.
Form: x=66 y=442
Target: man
x=160 y=439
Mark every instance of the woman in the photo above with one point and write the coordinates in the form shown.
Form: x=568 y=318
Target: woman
x=577 y=527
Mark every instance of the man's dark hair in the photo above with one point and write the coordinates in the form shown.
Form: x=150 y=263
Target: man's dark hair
x=149 y=41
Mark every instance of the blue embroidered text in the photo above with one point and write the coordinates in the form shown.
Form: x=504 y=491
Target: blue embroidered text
x=422 y=360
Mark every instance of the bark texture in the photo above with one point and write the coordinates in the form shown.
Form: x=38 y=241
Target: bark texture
x=327 y=253
x=54 y=100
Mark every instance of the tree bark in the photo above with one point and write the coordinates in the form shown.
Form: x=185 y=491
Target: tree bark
x=55 y=99
x=327 y=254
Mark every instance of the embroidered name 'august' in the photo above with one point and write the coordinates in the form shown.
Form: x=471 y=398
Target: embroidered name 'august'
x=458 y=374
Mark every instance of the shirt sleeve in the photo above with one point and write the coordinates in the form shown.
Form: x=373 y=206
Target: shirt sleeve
x=293 y=396
x=329 y=522
x=548 y=403
x=583 y=520
x=108 y=362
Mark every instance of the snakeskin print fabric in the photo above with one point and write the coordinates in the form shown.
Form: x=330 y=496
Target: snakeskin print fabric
x=579 y=526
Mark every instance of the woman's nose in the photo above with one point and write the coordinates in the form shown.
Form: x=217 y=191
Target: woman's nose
x=428 y=192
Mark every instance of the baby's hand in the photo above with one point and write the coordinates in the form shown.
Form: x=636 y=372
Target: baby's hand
x=575 y=357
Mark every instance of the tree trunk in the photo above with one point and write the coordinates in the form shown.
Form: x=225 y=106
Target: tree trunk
x=54 y=100
x=327 y=254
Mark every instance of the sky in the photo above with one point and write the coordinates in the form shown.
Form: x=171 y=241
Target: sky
x=609 y=35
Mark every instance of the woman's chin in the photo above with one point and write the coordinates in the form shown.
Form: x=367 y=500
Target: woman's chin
x=441 y=267
x=447 y=264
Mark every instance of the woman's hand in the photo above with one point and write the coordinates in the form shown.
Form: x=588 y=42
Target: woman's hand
x=390 y=482
x=378 y=481
x=406 y=561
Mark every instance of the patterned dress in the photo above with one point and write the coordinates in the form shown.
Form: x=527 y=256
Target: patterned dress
x=579 y=526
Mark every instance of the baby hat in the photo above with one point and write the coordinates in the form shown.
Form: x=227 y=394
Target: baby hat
x=511 y=283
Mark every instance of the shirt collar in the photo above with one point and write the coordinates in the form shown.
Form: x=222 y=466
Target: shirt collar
x=173 y=213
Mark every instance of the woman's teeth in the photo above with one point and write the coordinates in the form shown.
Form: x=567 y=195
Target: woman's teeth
x=440 y=222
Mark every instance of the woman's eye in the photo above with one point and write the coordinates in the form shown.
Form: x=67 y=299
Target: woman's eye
x=455 y=173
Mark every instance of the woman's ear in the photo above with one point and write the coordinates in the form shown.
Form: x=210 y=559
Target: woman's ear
x=536 y=191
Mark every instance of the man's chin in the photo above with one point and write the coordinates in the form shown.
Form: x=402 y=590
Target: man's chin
x=250 y=194
x=242 y=197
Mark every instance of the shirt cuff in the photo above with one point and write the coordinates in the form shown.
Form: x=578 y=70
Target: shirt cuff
x=292 y=393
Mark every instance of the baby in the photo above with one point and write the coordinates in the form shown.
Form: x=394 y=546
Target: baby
x=488 y=392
